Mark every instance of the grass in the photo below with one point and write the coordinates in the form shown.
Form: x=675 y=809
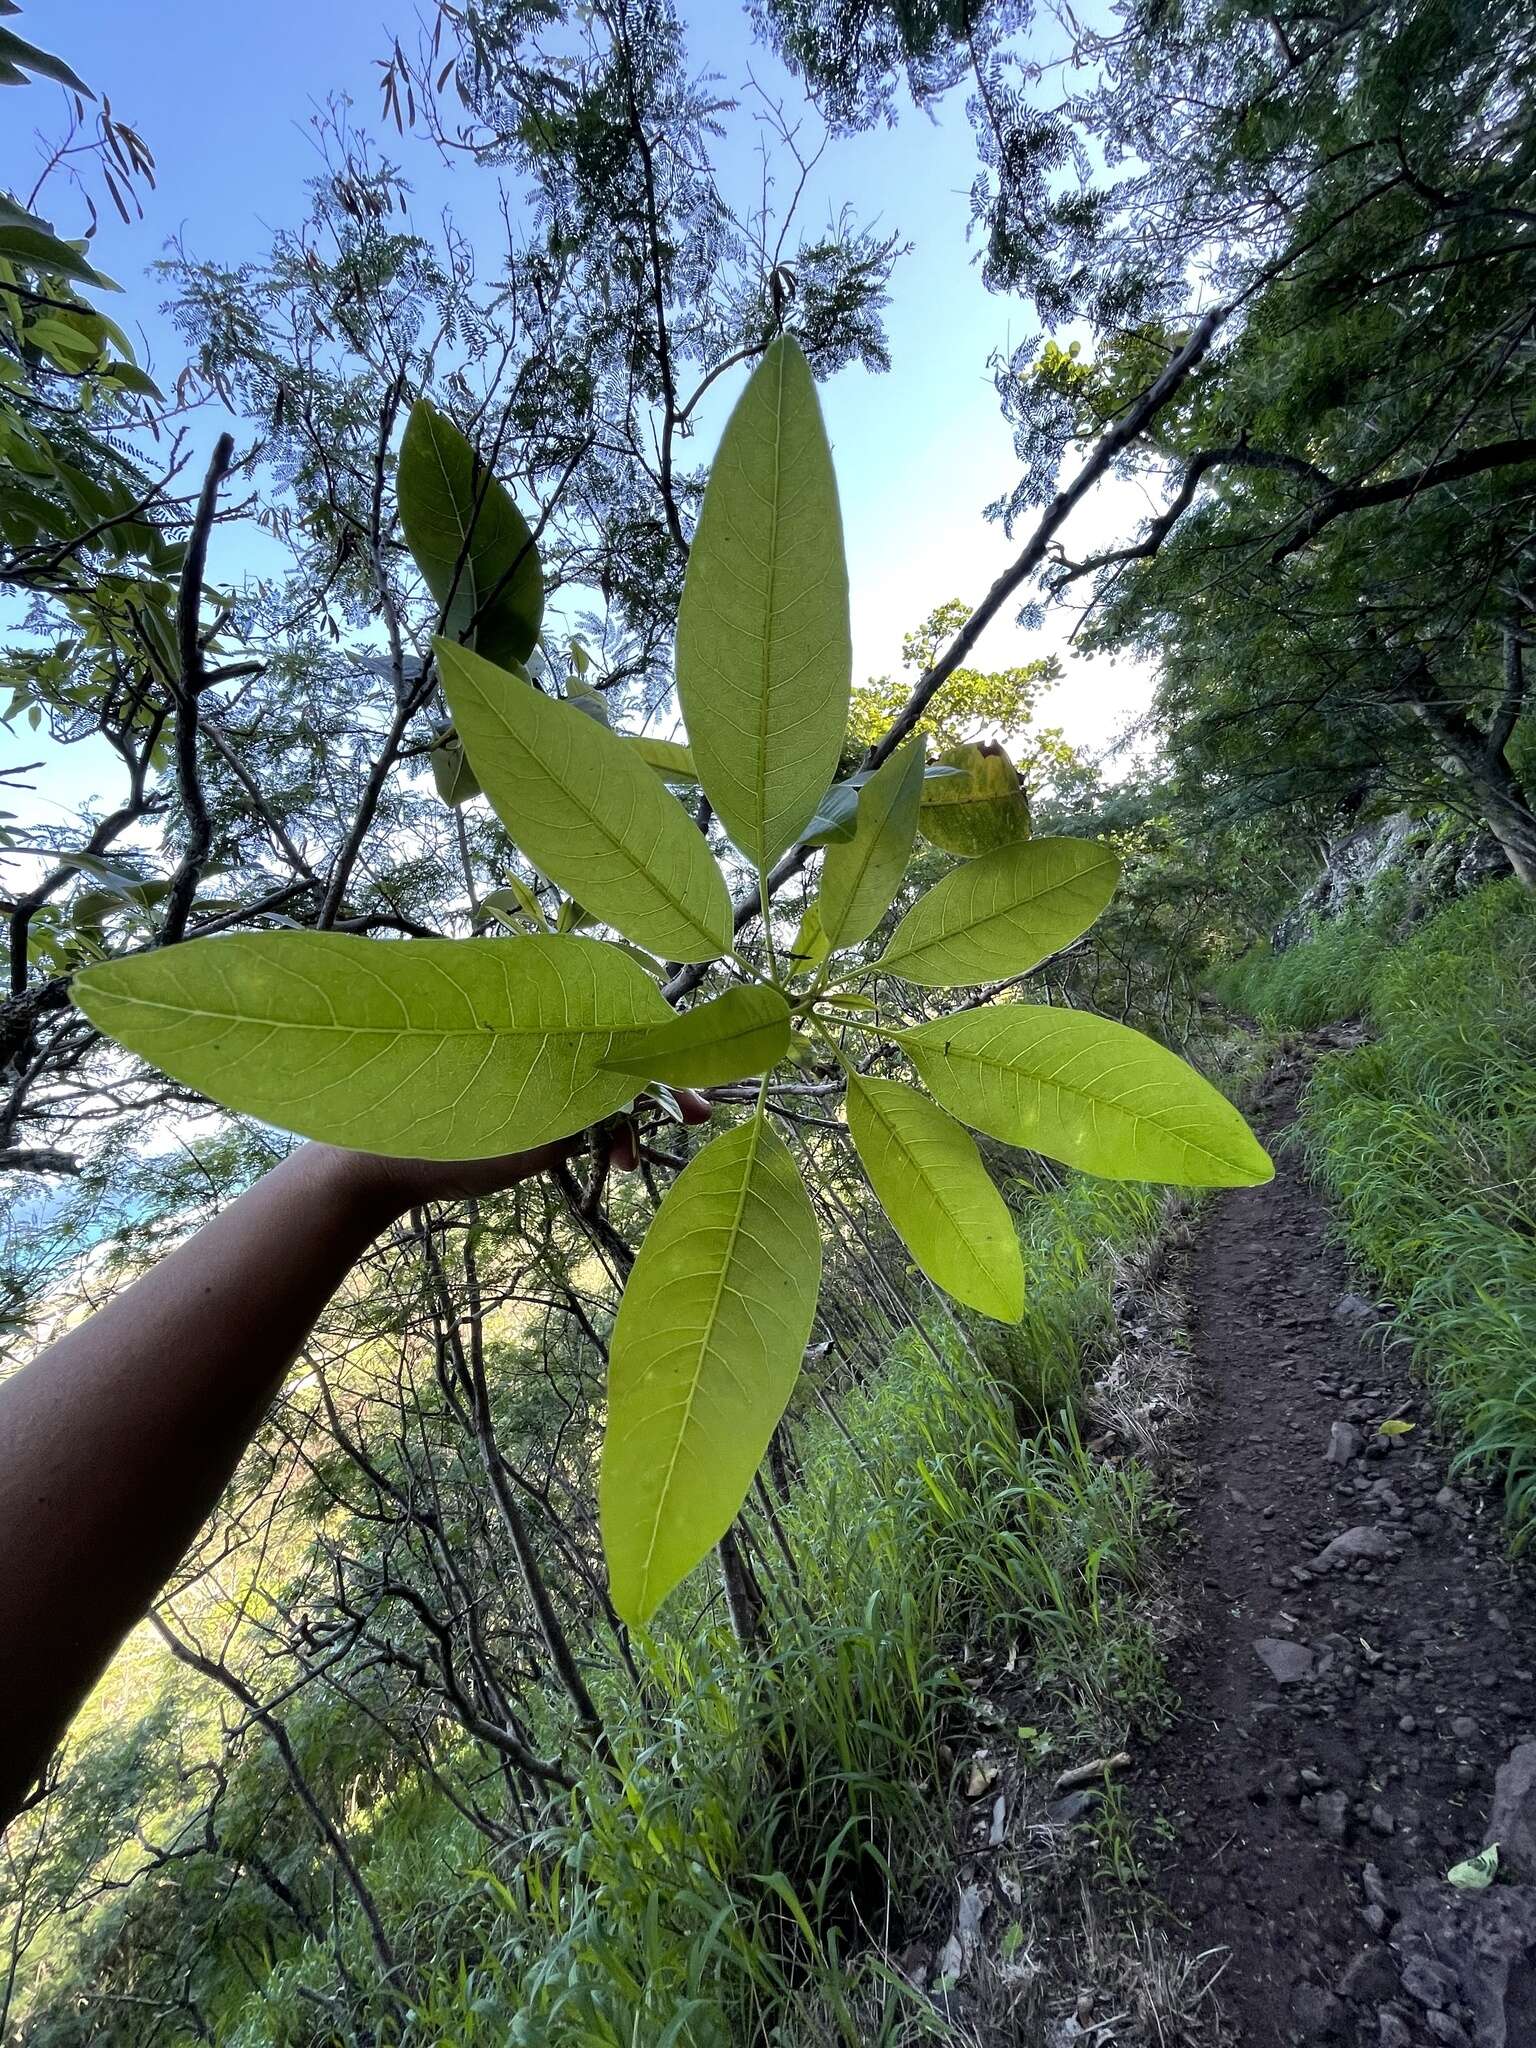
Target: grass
x=774 y=1828
x=1426 y=1138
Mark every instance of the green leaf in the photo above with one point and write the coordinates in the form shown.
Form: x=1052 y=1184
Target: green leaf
x=14 y=54
x=673 y=763
x=980 y=808
x=764 y=658
x=516 y=907
x=432 y=1048
x=1002 y=914
x=588 y=812
x=859 y=880
x=741 y=1033
x=1477 y=1872
x=810 y=946
x=470 y=541
x=931 y=1182
x=1395 y=1425
x=39 y=250
x=1087 y=1092
x=706 y=1350
x=836 y=818
x=451 y=772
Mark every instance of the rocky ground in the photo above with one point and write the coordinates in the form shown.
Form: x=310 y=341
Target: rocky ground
x=1359 y=1711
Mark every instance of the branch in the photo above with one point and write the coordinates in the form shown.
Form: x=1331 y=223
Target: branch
x=1507 y=717
x=187 y=688
x=1360 y=497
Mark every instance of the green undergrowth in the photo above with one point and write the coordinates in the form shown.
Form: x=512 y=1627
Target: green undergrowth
x=1426 y=1138
x=779 y=1826
x=773 y=1827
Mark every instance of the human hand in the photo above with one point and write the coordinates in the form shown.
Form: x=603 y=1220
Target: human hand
x=402 y=1183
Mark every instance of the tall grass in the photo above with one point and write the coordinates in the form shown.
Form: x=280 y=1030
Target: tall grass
x=1427 y=1139
x=769 y=1829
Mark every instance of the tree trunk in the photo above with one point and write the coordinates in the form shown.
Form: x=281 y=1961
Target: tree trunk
x=1500 y=796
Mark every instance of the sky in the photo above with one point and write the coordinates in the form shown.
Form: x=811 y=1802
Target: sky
x=224 y=92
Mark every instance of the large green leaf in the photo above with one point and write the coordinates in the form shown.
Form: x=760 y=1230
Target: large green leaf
x=430 y=1048
x=35 y=247
x=859 y=879
x=931 y=1182
x=979 y=808
x=1087 y=1092
x=743 y=1032
x=763 y=652
x=706 y=1349
x=1002 y=914
x=469 y=539
x=588 y=812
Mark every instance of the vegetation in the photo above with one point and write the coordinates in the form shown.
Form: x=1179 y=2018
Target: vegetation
x=1426 y=1137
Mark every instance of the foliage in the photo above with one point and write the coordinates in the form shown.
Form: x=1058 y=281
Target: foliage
x=1427 y=1139
x=777 y=1809
x=1314 y=226
x=490 y=1046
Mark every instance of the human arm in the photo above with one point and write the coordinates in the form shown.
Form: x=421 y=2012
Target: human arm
x=116 y=1442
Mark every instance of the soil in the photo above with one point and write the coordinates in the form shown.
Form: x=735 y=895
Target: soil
x=1315 y=1788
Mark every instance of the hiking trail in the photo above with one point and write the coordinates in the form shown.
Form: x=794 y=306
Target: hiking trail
x=1357 y=1669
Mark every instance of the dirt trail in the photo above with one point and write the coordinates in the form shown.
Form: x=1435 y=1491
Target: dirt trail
x=1342 y=1722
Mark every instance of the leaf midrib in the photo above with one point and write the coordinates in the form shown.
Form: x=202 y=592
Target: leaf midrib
x=757 y=1127
x=391 y=1030
x=1133 y=1116
x=871 y=1101
x=915 y=951
x=673 y=902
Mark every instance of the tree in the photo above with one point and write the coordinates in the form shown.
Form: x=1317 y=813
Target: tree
x=1348 y=472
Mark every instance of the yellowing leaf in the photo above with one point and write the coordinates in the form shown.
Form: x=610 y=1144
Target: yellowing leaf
x=706 y=1350
x=1394 y=1426
x=1002 y=914
x=1087 y=1092
x=672 y=762
x=763 y=650
x=470 y=541
x=979 y=809
x=931 y=1182
x=588 y=812
x=859 y=879
x=428 y=1048
x=741 y=1033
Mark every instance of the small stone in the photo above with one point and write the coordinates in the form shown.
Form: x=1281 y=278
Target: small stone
x=1375 y=1917
x=1512 y=1823
x=1464 y=1728
x=1428 y=1983
x=1315 y=1781
x=1316 y=2013
x=1375 y=1887
x=1408 y=1724
x=1444 y=2028
x=1363 y=1541
x=1343 y=1443
x=1382 y=1822
x=1073 y=1807
x=1371 y=1977
x=1353 y=1308
x=1286 y=1663
x=1497 y=1618
x=1394 y=2030
x=1331 y=1812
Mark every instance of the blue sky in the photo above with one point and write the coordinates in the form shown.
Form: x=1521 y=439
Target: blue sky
x=223 y=93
